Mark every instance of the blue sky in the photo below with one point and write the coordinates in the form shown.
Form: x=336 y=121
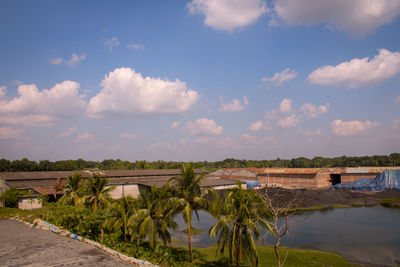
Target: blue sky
x=199 y=80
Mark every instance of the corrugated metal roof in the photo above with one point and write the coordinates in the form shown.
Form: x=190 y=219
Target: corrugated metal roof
x=293 y=170
x=47 y=191
x=40 y=175
x=370 y=169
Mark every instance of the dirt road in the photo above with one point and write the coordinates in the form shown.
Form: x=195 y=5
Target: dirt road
x=21 y=245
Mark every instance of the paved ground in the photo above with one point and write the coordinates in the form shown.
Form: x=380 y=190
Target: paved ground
x=21 y=245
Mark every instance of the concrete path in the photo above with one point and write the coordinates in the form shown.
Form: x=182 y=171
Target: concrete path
x=21 y=245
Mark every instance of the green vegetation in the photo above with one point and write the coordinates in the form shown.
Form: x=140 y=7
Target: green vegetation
x=111 y=164
x=391 y=203
x=10 y=197
x=141 y=227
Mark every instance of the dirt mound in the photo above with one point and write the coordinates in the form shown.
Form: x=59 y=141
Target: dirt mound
x=304 y=198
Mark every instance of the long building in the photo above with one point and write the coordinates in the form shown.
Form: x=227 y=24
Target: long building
x=309 y=178
x=126 y=182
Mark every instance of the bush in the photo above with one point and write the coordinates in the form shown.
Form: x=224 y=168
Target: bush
x=10 y=197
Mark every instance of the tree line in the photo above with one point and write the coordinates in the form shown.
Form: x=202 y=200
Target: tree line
x=118 y=164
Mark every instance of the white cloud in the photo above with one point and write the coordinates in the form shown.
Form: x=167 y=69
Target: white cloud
x=347 y=128
x=84 y=137
x=356 y=17
x=9 y=133
x=289 y=121
x=126 y=92
x=235 y=106
x=3 y=91
x=75 y=59
x=253 y=140
x=55 y=61
x=359 y=71
x=175 y=124
x=203 y=126
x=285 y=107
x=256 y=126
x=281 y=77
x=111 y=43
x=68 y=132
x=397 y=98
x=312 y=111
x=164 y=145
x=228 y=15
x=135 y=46
x=130 y=136
x=310 y=133
x=42 y=108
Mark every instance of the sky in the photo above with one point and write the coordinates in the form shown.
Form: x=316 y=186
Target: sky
x=199 y=80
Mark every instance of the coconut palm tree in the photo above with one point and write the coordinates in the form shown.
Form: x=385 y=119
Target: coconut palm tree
x=98 y=194
x=237 y=226
x=188 y=197
x=154 y=215
x=120 y=212
x=73 y=192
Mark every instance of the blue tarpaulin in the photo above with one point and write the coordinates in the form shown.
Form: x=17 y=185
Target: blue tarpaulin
x=252 y=184
x=387 y=180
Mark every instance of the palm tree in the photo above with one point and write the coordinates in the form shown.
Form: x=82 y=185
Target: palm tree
x=154 y=216
x=120 y=210
x=73 y=191
x=188 y=197
x=236 y=227
x=98 y=192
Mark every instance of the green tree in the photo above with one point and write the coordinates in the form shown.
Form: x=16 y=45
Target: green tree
x=98 y=194
x=154 y=215
x=73 y=193
x=237 y=225
x=11 y=196
x=188 y=197
x=120 y=211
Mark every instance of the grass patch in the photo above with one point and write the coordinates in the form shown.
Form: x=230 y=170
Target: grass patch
x=390 y=203
x=25 y=215
x=295 y=257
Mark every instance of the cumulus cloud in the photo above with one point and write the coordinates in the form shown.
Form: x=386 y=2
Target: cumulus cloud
x=312 y=111
x=203 y=126
x=42 y=108
x=175 y=124
x=348 y=128
x=259 y=125
x=289 y=121
x=228 y=15
x=130 y=136
x=253 y=140
x=285 y=107
x=281 y=77
x=234 y=106
x=126 y=92
x=164 y=145
x=135 y=46
x=9 y=133
x=359 y=70
x=84 y=137
x=356 y=17
x=3 y=91
x=68 y=132
x=111 y=43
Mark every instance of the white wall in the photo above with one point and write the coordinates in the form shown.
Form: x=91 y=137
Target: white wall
x=29 y=203
x=125 y=190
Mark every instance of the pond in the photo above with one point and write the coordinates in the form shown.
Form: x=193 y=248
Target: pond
x=366 y=234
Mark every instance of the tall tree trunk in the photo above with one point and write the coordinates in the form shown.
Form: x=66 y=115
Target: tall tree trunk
x=101 y=235
x=153 y=233
x=239 y=251
x=189 y=226
x=278 y=257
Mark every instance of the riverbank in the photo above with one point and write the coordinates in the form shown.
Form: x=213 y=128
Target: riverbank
x=204 y=256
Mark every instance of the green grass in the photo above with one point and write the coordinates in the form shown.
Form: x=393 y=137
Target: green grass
x=295 y=258
x=25 y=215
x=193 y=231
x=390 y=203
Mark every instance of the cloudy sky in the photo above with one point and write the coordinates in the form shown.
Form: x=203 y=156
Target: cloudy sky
x=199 y=80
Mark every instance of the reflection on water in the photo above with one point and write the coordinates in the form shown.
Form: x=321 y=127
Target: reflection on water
x=367 y=234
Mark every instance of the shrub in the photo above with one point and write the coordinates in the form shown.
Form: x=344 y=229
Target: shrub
x=10 y=197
